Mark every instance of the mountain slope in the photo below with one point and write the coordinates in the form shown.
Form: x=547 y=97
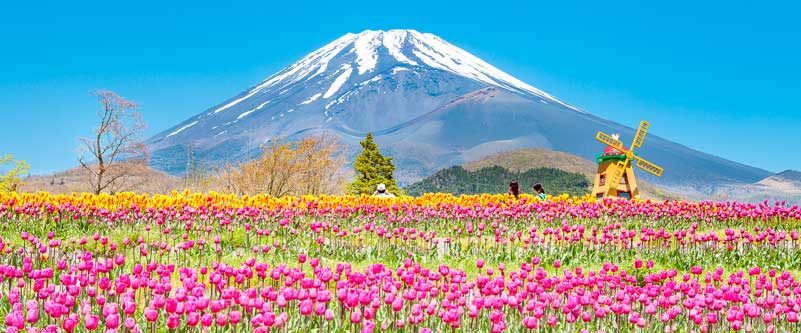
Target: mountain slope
x=430 y=105
x=520 y=160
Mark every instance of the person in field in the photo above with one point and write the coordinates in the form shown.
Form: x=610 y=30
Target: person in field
x=381 y=192
x=514 y=189
x=539 y=192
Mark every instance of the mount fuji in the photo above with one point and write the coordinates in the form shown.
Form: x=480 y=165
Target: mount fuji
x=430 y=105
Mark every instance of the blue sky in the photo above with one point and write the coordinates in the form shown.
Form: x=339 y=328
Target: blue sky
x=723 y=77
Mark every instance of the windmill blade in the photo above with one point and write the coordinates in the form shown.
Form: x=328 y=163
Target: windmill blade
x=650 y=167
x=610 y=141
x=620 y=169
x=640 y=136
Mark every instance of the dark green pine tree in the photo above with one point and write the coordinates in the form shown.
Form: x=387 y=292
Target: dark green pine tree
x=372 y=168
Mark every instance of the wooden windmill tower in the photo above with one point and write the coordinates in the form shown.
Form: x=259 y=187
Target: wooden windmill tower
x=615 y=176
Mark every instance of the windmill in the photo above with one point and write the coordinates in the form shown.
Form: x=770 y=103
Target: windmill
x=615 y=176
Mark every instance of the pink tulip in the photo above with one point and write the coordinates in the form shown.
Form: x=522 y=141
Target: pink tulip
x=69 y=324
x=173 y=321
x=91 y=322
x=151 y=315
x=530 y=322
x=235 y=317
x=221 y=319
x=113 y=321
x=32 y=315
x=355 y=316
x=552 y=320
x=206 y=320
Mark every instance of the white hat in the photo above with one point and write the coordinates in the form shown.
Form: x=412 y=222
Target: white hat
x=381 y=187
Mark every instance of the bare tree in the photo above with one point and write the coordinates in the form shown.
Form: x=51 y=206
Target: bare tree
x=115 y=152
x=322 y=163
x=226 y=178
x=272 y=172
x=197 y=176
x=311 y=166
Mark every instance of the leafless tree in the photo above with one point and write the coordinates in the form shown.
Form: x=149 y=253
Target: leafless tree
x=115 y=153
x=310 y=166
x=198 y=176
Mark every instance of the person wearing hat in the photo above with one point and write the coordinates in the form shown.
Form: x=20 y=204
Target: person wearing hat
x=381 y=192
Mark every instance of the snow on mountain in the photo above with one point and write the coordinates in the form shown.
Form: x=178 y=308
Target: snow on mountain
x=339 y=81
x=405 y=47
x=431 y=104
x=182 y=128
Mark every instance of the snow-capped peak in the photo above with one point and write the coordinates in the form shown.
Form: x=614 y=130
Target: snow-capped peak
x=360 y=55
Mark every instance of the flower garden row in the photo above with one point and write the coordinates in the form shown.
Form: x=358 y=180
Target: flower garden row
x=195 y=263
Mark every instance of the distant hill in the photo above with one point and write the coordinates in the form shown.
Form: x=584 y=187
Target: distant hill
x=785 y=185
x=524 y=159
x=788 y=175
x=495 y=179
x=145 y=180
x=786 y=182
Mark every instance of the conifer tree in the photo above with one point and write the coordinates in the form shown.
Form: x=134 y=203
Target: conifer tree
x=372 y=168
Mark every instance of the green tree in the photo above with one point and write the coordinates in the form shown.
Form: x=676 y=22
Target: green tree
x=10 y=180
x=372 y=168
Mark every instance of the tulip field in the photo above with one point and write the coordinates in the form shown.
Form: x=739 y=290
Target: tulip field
x=187 y=262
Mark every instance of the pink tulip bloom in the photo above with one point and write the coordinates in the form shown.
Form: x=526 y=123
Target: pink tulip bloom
x=91 y=322
x=113 y=321
x=221 y=319
x=173 y=321
x=32 y=315
x=552 y=320
x=151 y=315
x=356 y=316
x=235 y=317
x=306 y=307
x=130 y=323
x=530 y=322
x=69 y=324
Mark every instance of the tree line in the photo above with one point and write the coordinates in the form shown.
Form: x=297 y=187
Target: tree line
x=114 y=158
x=495 y=179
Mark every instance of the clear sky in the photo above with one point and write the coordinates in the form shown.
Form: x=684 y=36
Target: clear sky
x=723 y=77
